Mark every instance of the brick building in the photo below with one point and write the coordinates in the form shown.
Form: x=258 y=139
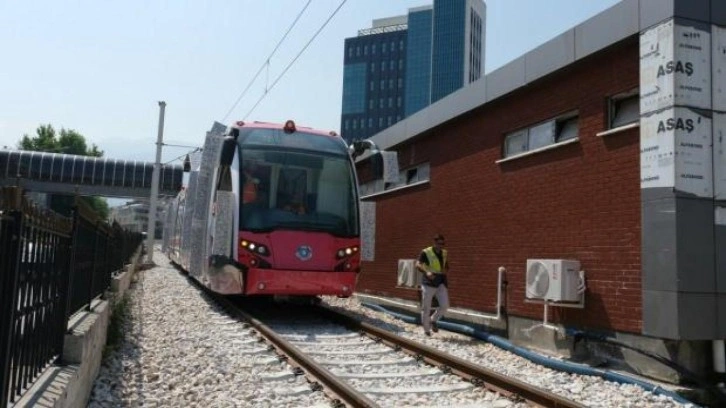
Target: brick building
x=591 y=147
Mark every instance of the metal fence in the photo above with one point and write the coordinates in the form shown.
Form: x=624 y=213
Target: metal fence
x=50 y=267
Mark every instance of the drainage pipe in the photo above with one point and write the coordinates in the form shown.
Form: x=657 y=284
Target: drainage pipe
x=560 y=365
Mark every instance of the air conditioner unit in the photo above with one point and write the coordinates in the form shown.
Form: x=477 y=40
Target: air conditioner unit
x=553 y=279
x=408 y=275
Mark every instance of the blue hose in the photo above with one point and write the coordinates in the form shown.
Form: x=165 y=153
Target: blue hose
x=559 y=365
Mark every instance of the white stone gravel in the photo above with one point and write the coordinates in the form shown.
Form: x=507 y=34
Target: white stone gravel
x=591 y=391
x=180 y=350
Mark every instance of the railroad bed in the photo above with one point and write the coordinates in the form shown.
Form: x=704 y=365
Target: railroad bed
x=183 y=350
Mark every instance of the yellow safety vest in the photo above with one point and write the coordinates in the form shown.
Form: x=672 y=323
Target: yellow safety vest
x=434 y=264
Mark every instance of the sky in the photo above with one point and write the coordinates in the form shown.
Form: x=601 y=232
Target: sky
x=100 y=67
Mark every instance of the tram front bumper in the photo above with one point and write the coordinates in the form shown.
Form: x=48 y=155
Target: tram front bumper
x=301 y=283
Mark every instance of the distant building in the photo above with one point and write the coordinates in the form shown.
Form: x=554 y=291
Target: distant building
x=402 y=64
x=134 y=216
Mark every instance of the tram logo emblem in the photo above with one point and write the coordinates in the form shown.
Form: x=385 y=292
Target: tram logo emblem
x=304 y=253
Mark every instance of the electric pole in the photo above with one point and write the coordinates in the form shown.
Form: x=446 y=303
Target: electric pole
x=151 y=229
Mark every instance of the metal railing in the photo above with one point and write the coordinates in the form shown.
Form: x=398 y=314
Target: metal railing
x=50 y=267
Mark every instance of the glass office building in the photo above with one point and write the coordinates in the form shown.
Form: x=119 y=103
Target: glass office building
x=418 y=71
x=374 y=79
x=403 y=64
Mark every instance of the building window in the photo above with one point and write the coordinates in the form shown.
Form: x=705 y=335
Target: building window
x=373 y=67
x=383 y=84
x=400 y=83
x=566 y=128
x=357 y=51
x=371 y=105
x=390 y=101
x=355 y=124
x=380 y=103
x=398 y=118
x=347 y=125
x=390 y=120
x=383 y=65
x=408 y=176
x=624 y=109
x=370 y=123
x=365 y=49
x=380 y=122
x=393 y=46
x=398 y=103
x=400 y=45
x=541 y=135
x=350 y=51
x=373 y=49
x=400 y=63
x=362 y=123
x=384 y=47
x=390 y=83
x=515 y=143
x=373 y=86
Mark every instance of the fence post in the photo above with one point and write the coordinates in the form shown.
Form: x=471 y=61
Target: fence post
x=95 y=265
x=10 y=241
x=65 y=295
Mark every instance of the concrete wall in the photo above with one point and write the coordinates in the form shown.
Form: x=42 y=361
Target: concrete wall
x=70 y=386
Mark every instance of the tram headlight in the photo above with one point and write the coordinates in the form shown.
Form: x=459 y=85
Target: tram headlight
x=254 y=247
x=347 y=251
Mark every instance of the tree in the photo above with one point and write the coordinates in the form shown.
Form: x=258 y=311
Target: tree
x=67 y=142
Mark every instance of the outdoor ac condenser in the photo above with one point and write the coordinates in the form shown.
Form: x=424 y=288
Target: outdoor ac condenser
x=553 y=279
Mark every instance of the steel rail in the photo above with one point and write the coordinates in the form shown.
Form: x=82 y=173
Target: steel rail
x=338 y=387
x=503 y=384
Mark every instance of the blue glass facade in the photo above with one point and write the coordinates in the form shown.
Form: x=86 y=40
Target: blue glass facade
x=393 y=72
x=354 y=88
x=447 y=65
x=418 y=71
x=374 y=79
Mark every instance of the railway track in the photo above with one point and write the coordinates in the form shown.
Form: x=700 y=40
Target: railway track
x=359 y=365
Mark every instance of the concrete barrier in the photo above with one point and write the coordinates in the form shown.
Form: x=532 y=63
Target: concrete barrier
x=69 y=386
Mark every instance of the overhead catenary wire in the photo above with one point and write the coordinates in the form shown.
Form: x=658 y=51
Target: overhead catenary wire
x=267 y=61
x=267 y=90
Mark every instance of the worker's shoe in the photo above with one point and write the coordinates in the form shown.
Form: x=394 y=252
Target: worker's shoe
x=428 y=333
x=434 y=327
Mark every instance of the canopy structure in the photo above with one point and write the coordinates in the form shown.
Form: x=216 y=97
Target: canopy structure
x=72 y=174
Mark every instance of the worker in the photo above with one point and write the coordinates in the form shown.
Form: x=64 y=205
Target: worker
x=251 y=184
x=434 y=264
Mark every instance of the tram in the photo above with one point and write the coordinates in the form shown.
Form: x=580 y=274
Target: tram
x=272 y=210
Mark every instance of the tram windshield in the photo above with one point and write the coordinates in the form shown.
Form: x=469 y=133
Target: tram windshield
x=286 y=188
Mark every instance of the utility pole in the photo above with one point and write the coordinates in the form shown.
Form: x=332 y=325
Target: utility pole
x=151 y=229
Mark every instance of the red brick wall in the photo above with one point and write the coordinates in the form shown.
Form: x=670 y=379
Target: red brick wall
x=579 y=201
